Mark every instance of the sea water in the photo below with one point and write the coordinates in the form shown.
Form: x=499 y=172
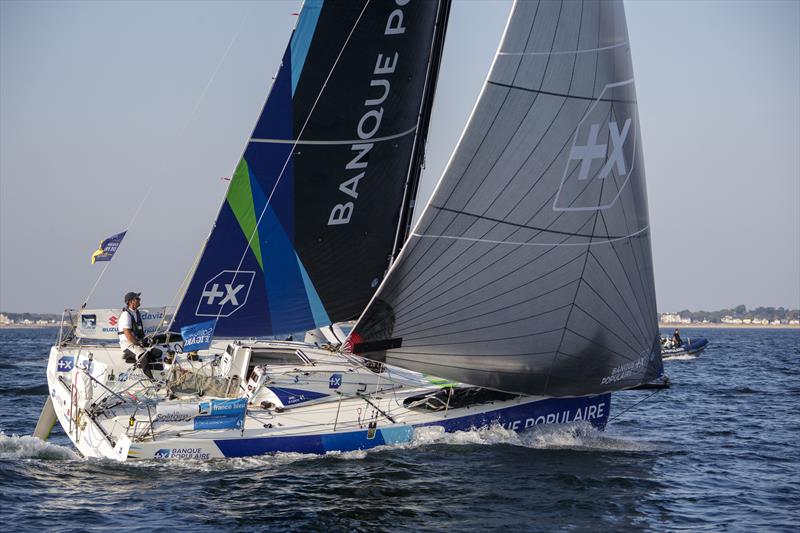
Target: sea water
x=717 y=451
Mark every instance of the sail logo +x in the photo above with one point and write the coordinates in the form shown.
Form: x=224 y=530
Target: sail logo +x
x=225 y=293
x=601 y=158
x=594 y=150
x=66 y=363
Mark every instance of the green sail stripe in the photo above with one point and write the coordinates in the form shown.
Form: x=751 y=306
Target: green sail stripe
x=240 y=198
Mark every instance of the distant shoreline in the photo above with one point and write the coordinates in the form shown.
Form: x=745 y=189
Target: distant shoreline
x=27 y=326
x=729 y=326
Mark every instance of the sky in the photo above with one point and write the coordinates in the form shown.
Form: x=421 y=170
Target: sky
x=101 y=102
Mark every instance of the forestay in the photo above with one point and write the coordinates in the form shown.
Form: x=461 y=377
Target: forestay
x=530 y=270
x=308 y=226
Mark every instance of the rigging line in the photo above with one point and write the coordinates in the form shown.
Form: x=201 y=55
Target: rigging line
x=634 y=405
x=289 y=157
x=181 y=133
x=342 y=142
x=180 y=289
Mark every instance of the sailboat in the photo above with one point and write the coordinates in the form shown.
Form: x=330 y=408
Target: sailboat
x=523 y=296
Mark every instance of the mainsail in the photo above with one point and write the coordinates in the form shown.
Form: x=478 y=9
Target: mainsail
x=530 y=270
x=311 y=217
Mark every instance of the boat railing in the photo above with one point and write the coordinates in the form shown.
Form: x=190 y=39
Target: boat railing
x=101 y=324
x=67 y=327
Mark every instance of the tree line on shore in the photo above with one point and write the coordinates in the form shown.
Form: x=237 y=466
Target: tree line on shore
x=33 y=317
x=741 y=312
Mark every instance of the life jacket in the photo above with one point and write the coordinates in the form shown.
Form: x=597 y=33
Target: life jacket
x=136 y=322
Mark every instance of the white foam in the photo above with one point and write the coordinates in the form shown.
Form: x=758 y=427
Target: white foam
x=685 y=357
x=579 y=436
x=274 y=460
x=27 y=447
x=572 y=436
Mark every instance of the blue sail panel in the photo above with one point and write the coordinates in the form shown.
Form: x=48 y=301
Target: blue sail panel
x=318 y=311
x=301 y=40
x=236 y=297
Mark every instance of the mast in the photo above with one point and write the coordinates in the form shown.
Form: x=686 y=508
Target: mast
x=418 y=157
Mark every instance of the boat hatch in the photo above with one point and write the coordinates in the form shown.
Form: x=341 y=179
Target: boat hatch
x=272 y=356
x=454 y=398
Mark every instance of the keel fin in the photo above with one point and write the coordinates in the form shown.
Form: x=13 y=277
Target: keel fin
x=47 y=419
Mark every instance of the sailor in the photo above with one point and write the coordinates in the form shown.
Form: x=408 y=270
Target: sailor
x=676 y=339
x=131 y=335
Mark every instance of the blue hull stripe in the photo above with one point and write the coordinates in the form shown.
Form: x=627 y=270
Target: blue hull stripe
x=517 y=418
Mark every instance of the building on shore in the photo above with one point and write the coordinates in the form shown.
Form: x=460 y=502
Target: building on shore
x=674 y=318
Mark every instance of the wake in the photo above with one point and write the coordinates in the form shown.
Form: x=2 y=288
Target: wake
x=27 y=447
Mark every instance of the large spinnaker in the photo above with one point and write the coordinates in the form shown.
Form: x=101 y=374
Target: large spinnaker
x=530 y=270
x=306 y=231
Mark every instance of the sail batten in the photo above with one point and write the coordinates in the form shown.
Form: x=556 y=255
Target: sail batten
x=530 y=271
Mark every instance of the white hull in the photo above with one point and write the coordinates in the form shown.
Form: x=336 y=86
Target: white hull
x=334 y=404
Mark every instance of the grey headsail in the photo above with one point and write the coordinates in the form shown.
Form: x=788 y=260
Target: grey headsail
x=530 y=270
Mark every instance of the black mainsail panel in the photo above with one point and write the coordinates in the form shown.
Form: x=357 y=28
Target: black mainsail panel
x=530 y=270
x=309 y=223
